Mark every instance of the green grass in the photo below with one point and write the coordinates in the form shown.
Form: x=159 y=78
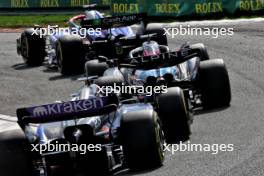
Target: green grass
x=20 y=21
x=27 y=21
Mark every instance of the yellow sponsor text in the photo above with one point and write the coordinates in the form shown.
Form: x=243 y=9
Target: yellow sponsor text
x=167 y=8
x=76 y=3
x=250 y=5
x=19 y=3
x=125 y=8
x=49 y=3
x=203 y=8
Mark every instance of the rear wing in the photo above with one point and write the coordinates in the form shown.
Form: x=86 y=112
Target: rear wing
x=158 y=61
x=115 y=21
x=67 y=110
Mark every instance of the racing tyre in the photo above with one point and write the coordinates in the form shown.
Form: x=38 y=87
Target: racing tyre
x=15 y=154
x=70 y=55
x=203 y=51
x=174 y=115
x=95 y=68
x=142 y=139
x=214 y=84
x=32 y=48
x=161 y=38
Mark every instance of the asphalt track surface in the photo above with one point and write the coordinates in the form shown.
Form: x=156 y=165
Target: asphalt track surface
x=241 y=124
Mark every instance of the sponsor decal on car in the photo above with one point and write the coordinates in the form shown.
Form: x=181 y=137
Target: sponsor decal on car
x=67 y=107
x=184 y=52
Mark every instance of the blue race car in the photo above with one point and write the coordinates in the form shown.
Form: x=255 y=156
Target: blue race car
x=117 y=133
x=88 y=35
x=205 y=81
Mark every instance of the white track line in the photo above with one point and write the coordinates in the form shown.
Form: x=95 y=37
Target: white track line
x=8 y=123
x=212 y=22
x=8 y=118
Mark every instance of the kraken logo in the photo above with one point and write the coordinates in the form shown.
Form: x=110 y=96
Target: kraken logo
x=40 y=111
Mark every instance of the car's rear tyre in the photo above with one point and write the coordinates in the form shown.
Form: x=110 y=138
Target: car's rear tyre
x=15 y=154
x=70 y=55
x=95 y=68
x=32 y=48
x=174 y=115
x=203 y=53
x=142 y=139
x=161 y=37
x=214 y=84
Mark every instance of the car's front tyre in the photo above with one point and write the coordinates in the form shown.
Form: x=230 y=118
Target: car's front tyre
x=214 y=84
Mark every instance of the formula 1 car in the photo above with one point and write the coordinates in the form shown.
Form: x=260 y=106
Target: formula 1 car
x=120 y=133
x=205 y=81
x=70 y=52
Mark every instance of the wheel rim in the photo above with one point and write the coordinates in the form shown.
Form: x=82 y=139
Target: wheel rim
x=24 y=47
x=160 y=140
x=59 y=57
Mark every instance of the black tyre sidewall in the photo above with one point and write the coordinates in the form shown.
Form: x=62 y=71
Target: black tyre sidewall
x=141 y=144
x=214 y=84
x=70 y=55
x=173 y=112
x=35 y=47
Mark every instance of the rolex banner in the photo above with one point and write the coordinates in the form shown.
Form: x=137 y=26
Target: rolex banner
x=177 y=8
x=180 y=8
x=49 y=3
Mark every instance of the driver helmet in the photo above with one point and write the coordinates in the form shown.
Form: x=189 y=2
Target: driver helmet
x=150 y=48
x=93 y=14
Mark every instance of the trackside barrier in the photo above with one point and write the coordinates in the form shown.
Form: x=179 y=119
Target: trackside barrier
x=159 y=8
x=48 y=3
